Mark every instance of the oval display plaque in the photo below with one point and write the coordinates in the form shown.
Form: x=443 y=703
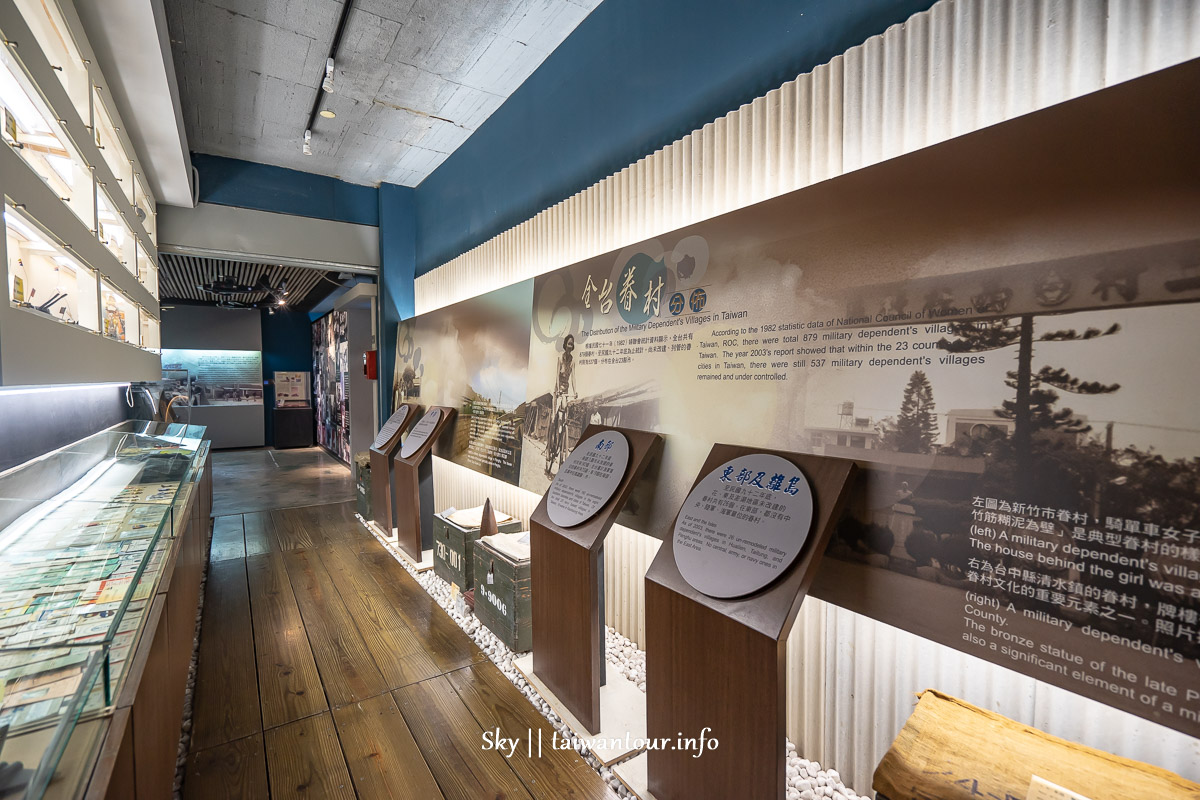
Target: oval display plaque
x=421 y=432
x=587 y=479
x=391 y=426
x=743 y=525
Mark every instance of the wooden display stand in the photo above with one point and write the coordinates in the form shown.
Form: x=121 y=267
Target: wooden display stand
x=719 y=666
x=568 y=633
x=383 y=462
x=412 y=488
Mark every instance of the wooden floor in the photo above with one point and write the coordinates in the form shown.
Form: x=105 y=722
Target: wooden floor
x=326 y=671
x=264 y=478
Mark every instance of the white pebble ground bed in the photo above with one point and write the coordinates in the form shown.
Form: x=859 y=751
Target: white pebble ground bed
x=805 y=779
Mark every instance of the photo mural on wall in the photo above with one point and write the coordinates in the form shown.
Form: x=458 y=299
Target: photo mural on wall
x=1002 y=336
x=331 y=366
x=472 y=356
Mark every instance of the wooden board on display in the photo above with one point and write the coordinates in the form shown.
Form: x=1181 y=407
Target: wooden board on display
x=383 y=455
x=412 y=486
x=717 y=667
x=979 y=753
x=568 y=634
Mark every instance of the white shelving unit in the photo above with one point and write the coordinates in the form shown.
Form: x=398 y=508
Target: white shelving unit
x=80 y=221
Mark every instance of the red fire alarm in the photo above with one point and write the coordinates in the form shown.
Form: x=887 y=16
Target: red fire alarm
x=371 y=364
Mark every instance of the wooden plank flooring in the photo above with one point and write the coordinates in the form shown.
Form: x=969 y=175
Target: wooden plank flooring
x=326 y=671
x=263 y=479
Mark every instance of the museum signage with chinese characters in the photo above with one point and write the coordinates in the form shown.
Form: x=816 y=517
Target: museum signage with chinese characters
x=1007 y=364
x=587 y=479
x=743 y=525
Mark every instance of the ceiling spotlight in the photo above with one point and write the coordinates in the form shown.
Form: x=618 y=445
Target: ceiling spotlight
x=327 y=84
x=307 y=149
x=327 y=113
x=282 y=301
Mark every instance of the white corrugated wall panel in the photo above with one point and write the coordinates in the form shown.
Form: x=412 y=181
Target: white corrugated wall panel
x=961 y=66
x=874 y=671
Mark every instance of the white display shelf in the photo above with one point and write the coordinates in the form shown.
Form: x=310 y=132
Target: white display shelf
x=122 y=184
x=49 y=59
x=36 y=350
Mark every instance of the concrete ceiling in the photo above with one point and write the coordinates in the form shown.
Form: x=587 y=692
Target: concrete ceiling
x=414 y=78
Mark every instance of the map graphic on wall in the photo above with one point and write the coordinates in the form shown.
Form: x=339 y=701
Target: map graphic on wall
x=331 y=366
x=1011 y=367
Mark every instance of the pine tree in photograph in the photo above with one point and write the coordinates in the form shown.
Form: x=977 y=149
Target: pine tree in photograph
x=1034 y=406
x=916 y=429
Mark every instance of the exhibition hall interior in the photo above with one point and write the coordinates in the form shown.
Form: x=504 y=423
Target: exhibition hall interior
x=600 y=400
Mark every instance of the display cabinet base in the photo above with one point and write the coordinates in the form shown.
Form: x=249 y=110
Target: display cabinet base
x=426 y=562
x=374 y=527
x=622 y=708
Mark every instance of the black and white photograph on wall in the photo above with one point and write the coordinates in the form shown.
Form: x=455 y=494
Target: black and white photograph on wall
x=1010 y=369
x=331 y=365
x=473 y=356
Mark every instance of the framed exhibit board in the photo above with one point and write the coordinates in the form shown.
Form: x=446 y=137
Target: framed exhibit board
x=567 y=531
x=729 y=580
x=291 y=389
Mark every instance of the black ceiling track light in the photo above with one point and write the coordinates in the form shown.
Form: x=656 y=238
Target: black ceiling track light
x=226 y=287
x=326 y=84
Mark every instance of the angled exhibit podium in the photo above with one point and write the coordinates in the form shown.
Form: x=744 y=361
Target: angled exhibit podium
x=383 y=465
x=412 y=483
x=567 y=531
x=721 y=596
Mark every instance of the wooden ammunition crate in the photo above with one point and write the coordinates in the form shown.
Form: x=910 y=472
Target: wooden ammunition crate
x=503 y=605
x=362 y=485
x=452 y=550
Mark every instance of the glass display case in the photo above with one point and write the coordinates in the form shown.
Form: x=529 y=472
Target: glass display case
x=119 y=316
x=85 y=535
x=45 y=693
x=214 y=377
x=111 y=147
x=150 y=339
x=34 y=132
x=53 y=36
x=144 y=204
x=44 y=278
x=113 y=231
x=147 y=270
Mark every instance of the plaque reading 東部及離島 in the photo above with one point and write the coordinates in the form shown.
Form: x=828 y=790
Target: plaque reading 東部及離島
x=743 y=525
x=420 y=432
x=588 y=479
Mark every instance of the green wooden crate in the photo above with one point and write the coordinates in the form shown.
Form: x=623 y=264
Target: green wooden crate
x=362 y=485
x=504 y=604
x=452 y=546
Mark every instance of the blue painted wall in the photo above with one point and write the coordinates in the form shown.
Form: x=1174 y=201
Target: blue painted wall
x=287 y=347
x=397 y=271
x=633 y=77
x=231 y=182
